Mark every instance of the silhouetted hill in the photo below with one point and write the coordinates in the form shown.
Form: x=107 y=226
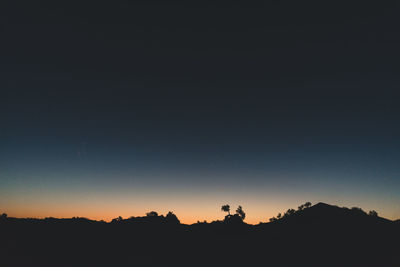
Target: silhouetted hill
x=325 y=214
x=319 y=235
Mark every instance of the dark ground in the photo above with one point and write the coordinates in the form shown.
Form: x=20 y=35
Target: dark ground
x=322 y=235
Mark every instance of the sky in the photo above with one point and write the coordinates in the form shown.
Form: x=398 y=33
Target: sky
x=117 y=109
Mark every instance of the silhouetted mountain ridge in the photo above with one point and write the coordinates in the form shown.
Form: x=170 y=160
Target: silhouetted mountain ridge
x=319 y=213
x=336 y=236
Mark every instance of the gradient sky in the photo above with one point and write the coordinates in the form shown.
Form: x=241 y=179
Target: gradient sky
x=117 y=109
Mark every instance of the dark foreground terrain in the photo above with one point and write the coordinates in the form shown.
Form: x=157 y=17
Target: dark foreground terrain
x=321 y=235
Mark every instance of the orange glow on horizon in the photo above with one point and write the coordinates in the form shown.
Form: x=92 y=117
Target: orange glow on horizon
x=253 y=216
x=190 y=205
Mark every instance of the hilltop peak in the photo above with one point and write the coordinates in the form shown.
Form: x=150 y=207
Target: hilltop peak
x=322 y=205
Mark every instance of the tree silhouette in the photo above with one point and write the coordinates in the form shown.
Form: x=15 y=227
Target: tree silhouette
x=358 y=210
x=226 y=208
x=119 y=219
x=152 y=214
x=307 y=205
x=240 y=212
x=373 y=213
x=279 y=216
x=3 y=216
x=289 y=212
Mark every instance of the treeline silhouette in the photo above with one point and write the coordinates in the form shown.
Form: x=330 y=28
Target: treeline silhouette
x=319 y=235
x=151 y=218
x=291 y=212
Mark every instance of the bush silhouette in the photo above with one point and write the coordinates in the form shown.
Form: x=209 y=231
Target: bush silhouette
x=307 y=204
x=152 y=214
x=233 y=219
x=289 y=212
x=118 y=219
x=373 y=213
